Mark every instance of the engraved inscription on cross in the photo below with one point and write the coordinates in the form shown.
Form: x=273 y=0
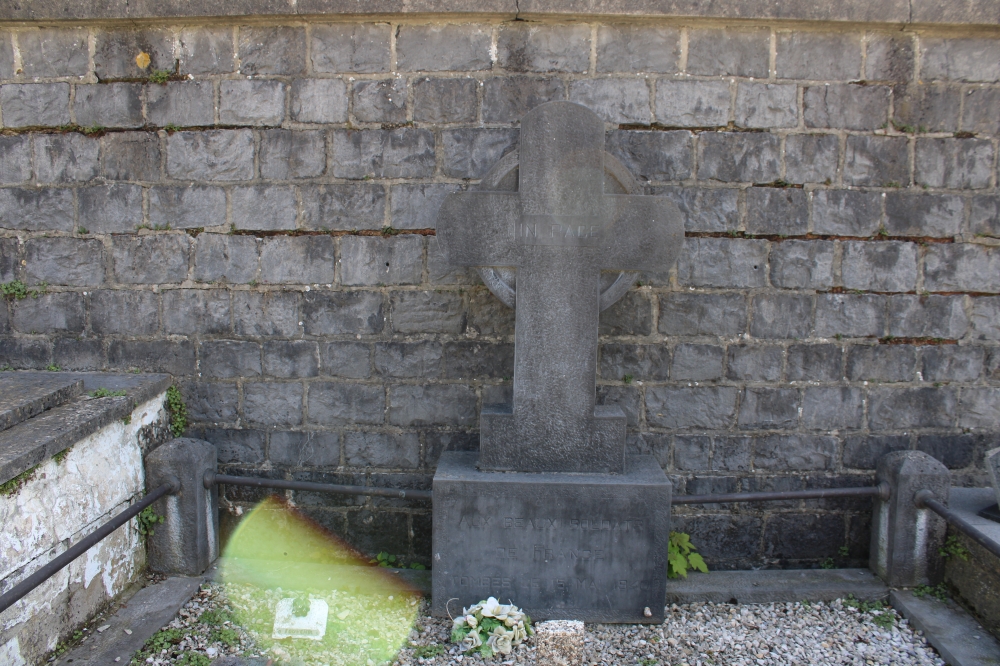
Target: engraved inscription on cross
x=559 y=230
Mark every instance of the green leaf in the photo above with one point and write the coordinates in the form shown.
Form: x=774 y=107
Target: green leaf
x=681 y=541
x=489 y=624
x=697 y=563
x=677 y=565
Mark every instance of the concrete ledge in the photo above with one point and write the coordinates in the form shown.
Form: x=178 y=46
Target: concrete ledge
x=776 y=585
x=33 y=441
x=968 y=502
x=975 y=579
x=747 y=587
x=959 y=639
x=967 y=12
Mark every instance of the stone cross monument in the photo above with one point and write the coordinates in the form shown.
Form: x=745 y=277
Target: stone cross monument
x=559 y=230
x=554 y=515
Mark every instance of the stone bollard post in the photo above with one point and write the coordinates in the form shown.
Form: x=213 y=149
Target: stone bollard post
x=905 y=538
x=993 y=467
x=187 y=541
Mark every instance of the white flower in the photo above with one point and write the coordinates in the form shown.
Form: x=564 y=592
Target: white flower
x=511 y=630
x=491 y=607
x=472 y=641
x=500 y=640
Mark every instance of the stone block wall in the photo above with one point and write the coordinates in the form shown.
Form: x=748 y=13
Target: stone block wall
x=837 y=297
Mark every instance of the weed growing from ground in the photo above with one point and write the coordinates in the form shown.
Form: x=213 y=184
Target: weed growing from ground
x=939 y=591
x=384 y=559
x=428 y=651
x=681 y=556
x=881 y=615
x=107 y=393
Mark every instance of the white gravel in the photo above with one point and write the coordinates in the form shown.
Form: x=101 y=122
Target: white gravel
x=784 y=634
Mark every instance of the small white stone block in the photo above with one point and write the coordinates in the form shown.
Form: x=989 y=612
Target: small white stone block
x=311 y=626
x=559 y=642
x=993 y=467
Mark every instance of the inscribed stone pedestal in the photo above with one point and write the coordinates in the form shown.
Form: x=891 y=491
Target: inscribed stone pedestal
x=554 y=516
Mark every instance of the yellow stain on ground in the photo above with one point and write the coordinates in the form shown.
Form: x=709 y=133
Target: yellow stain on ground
x=142 y=60
x=278 y=552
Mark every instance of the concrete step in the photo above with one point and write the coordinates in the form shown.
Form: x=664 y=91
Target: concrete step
x=776 y=585
x=956 y=635
x=27 y=394
x=143 y=615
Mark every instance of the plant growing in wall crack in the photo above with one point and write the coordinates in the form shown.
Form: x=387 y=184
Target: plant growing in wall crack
x=178 y=411
x=15 y=290
x=681 y=556
x=954 y=548
x=148 y=519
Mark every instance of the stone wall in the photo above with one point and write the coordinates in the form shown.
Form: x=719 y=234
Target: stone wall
x=836 y=297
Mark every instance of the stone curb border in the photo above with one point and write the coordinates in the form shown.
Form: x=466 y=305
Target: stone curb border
x=956 y=635
x=921 y=12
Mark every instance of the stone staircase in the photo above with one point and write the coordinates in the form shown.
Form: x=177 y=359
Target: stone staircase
x=70 y=460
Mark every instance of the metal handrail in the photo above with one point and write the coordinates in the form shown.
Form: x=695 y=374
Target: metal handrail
x=281 y=484
x=881 y=491
x=925 y=499
x=83 y=545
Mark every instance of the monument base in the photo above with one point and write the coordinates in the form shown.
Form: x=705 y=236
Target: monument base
x=561 y=546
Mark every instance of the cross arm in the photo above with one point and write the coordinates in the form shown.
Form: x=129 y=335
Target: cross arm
x=645 y=234
x=478 y=228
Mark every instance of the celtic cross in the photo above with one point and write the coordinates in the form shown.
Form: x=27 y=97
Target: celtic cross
x=559 y=230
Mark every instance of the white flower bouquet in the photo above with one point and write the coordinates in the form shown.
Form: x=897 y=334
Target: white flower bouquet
x=490 y=628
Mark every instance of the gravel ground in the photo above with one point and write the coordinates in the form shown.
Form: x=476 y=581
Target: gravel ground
x=818 y=634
